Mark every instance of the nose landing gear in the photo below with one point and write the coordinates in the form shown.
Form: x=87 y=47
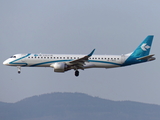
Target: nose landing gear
x=19 y=69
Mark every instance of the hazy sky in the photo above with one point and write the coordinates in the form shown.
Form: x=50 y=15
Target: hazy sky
x=77 y=27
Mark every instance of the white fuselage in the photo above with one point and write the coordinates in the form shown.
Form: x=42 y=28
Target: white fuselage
x=45 y=60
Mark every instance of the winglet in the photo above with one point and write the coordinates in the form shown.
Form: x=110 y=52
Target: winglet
x=89 y=55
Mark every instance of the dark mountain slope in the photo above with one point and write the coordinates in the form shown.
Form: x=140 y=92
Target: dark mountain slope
x=71 y=106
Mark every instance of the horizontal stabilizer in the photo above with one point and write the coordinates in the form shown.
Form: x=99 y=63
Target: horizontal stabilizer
x=145 y=57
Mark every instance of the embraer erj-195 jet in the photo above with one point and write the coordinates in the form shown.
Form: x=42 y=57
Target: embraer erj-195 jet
x=65 y=62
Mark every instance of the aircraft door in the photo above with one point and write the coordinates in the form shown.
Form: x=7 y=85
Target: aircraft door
x=22 y=60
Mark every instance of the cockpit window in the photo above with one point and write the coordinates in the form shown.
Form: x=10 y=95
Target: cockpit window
x=13 y=57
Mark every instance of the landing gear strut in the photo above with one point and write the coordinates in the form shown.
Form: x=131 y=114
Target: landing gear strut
x=19 y=69
x=76 y=73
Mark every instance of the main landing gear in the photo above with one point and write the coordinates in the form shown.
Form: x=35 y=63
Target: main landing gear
x=76 y=73
x=19 y=69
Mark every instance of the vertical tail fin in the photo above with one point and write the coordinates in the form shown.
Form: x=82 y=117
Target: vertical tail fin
x=141 y=51
x=144 y=48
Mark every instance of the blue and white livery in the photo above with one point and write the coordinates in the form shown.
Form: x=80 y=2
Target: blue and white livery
x=65 y=62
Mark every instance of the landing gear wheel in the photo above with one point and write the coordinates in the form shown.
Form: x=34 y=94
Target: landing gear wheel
x=76 y=73
x=19 y=69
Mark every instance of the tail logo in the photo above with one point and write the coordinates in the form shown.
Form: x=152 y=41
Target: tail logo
x=144 y=47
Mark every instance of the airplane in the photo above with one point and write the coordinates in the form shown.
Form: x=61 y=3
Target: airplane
x=64 y=62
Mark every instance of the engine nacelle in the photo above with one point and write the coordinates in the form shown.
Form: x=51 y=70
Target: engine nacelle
x=59 y=67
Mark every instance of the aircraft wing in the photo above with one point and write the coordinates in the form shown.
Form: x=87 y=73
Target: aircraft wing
x=145 y=57
x=79 y=63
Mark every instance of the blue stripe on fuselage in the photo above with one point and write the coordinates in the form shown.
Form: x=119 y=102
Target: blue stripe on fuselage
x=49 y=62
x=25 y=64
x=72 y=60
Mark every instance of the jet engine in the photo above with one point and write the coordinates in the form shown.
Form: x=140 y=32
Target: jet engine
x=59 y=67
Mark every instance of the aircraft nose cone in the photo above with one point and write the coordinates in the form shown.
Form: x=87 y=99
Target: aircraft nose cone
x=5 y=63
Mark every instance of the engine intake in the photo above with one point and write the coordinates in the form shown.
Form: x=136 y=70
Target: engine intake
x=59 y=67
